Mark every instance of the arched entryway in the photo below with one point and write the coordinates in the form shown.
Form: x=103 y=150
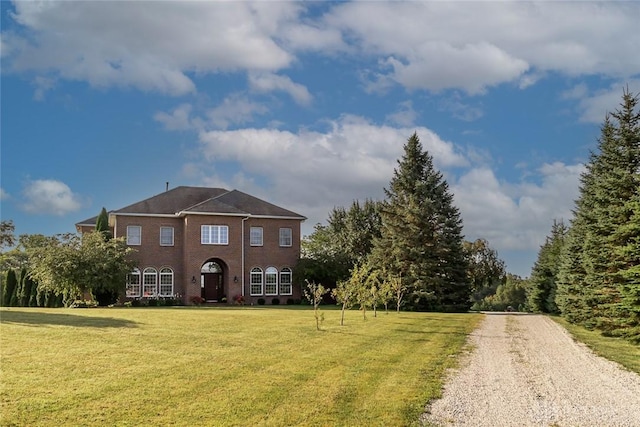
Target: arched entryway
x=212 y=280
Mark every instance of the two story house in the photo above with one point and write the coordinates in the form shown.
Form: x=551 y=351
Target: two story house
x=210 y=243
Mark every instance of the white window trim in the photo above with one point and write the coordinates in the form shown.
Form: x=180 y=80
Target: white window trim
x=172 y=236
x=210 y=228
x=251 y=284
x=251 y=242
x=270 y=271
x=129 y=285
x=290 y=237
x=288 y=272
x=163 y=273
x=147 y=273
x=132 y=227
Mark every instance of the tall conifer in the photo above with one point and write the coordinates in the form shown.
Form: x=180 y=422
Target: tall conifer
x=421 y=235
x=592 y=288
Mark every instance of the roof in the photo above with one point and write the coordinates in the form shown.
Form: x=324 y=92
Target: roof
x=183 y=200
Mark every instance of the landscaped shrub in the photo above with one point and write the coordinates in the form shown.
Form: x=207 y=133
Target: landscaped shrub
x=261 y=301
x=197 y=300
x=135 y=303
x=275 y=301
x=152 y=303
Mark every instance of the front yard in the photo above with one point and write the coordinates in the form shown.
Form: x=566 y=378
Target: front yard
x=222 y=366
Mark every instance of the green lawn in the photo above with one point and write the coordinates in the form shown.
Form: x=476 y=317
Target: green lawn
x=616 y=349
x=222 y=366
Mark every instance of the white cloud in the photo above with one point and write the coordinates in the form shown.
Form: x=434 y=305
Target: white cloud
x=353 y=160
x=150 y=46
x=3 y=194
x=235 y=109
x=516 y=216
x=268 y=82
x=48 y=196
x=475 y=45
x=159 y=46
x=460 y=110
x=178 y=119
x=405 y=116
x=595 y=106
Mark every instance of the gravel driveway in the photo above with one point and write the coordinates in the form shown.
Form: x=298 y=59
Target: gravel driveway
x=526 y=370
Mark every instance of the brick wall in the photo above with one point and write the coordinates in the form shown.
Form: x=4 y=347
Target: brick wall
x=188 y=254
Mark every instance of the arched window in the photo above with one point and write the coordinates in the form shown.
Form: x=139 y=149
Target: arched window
x=256 y=281
x=133 y=284
x=166 y=282
x=286 y=279
x=149 y=283
x=271 y=281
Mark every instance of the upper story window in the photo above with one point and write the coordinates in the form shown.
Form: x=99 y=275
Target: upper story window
x=166 y=236
x=134 y=235
x=286 y=238
x=256 y=236
x=214 y=235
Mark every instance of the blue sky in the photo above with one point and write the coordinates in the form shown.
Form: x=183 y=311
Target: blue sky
x=308 y=105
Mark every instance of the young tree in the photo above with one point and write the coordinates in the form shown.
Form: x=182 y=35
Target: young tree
x=6 y=234
x=74 y=265
x=421 y=235
x=541 y=294
x=314 y=293
x=344 y=295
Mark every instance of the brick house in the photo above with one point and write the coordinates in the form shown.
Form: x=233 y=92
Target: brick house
x=210 y=243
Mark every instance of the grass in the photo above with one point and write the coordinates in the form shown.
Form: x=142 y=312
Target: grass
x=615 y=349
x=223 y=366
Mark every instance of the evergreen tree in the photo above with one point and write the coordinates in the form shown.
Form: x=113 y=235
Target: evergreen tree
x=421 y=234
x=541 y=293
x=102 y=224
x=593 y=288
x=10 y=289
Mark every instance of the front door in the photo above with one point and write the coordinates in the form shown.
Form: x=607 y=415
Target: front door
x=213 y=286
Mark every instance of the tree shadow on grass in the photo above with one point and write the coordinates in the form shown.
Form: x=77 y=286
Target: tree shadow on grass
x=59 y=319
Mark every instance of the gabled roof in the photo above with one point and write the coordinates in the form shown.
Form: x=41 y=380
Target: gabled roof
x=182 y=201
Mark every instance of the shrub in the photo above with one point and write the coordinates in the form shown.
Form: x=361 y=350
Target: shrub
x=128 y=304
x=152 y=303
x=261 y=301
x=275 y=301
x=135 y=303
x=196 y=300
x=290 y=301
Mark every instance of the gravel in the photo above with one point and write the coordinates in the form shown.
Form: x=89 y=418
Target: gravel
x=526 y=370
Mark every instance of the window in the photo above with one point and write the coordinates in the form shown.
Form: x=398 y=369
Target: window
x=285 y=237
x=286 y=281
x=214 y=235
x=134 y=235
x=149 y=283
x=133 y=284
x=256 y=236
x=256 y=281
x=271 y=281
x=166 y=236
x=166 y=282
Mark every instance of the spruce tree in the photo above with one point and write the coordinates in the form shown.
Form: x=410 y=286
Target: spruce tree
x=421 y=238
x=102 y=224
x=591 y=287
x=542 y=284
